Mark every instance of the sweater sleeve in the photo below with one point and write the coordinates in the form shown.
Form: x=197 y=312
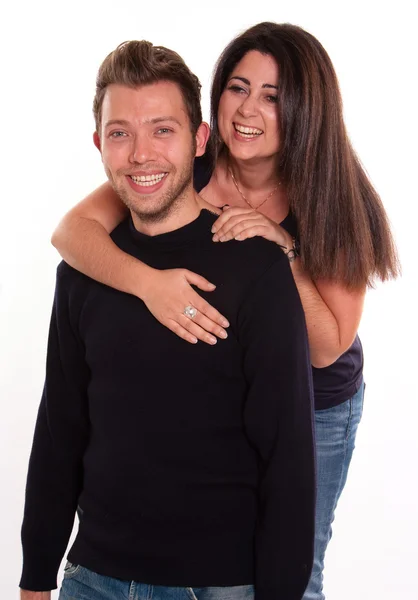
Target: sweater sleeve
x=61 y=433
x=279 y=423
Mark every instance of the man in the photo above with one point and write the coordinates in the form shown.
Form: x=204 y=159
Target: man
x=191 y=467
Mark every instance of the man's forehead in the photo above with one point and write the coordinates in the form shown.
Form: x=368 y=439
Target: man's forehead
x=149 y=103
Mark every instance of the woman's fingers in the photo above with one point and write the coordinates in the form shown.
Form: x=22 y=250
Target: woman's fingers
x=170 y=293
x=207 y=317
x=198 y=328
x=204 y=325
x=194 y=329
x=233 y=221
x=181 y=332
x=203 y=306
x=199 y=281
x=229 y=214
x=237 y=225
x=253 y=231
x=240 y=227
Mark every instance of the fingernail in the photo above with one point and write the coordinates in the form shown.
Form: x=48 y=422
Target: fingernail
x=215 y=238
x=194 y=341
x=238 y=237
x=211 y=286
x=213 y=230
x=225 y=323
x=212 y=341
x=223 y=335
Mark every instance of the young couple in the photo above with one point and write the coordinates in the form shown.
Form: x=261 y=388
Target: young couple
x=192 y=467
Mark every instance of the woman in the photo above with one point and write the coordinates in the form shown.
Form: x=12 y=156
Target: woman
x=281 y=160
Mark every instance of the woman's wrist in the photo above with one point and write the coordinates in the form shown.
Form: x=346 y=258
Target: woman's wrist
x=142 y=282
x=289 y=245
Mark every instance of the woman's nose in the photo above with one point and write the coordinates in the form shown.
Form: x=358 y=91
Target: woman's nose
x=249 y=107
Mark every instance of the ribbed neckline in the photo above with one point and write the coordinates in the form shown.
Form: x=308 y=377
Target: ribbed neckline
x=197 y=230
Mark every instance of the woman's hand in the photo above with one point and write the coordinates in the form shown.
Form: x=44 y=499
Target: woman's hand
x=243 y=223
x=169 y=292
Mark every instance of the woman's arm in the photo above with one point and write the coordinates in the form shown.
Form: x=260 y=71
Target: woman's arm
x=332 y=314
x=332 y=311
x=82 y=238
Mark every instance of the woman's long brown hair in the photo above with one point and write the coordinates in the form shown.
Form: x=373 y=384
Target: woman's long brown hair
x=343 y=228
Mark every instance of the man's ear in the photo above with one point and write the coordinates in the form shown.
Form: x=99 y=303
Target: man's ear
x=202 y=137
x=96 y=141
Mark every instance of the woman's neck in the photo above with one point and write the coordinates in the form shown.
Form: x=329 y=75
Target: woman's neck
x=261 y=181
x=254 y=176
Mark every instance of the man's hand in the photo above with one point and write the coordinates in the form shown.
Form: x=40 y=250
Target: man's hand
x=28 y=595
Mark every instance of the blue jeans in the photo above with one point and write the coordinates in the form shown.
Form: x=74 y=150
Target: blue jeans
x=335 y=430
x=82 y=584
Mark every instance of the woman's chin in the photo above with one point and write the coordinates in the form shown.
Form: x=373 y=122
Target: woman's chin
x=248 y=152
x=243 y=155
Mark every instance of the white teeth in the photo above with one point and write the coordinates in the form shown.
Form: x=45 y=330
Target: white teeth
x=147 y=180
x=248 y=130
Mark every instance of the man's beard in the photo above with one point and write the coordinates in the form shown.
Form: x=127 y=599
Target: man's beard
x=169 y=202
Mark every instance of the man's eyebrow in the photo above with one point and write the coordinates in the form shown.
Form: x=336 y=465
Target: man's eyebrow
x=116 y=122
x=247 y=82
x=154 y=121
x=161 y=119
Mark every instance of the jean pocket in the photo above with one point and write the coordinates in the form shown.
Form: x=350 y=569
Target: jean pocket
x=70 y=569
x=235 y=592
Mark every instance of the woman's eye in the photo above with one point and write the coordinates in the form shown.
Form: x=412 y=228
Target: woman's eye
x=272 y=99
x=237 y=89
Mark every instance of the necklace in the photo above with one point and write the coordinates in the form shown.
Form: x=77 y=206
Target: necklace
x=246 y=200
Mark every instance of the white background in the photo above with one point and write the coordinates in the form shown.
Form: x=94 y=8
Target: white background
x=50 y=52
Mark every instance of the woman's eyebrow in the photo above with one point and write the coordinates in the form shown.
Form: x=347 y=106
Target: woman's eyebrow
x=243 y=79
x=247 y=82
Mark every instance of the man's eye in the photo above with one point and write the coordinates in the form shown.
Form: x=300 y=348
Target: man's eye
x=117 y=134
x=164 y=130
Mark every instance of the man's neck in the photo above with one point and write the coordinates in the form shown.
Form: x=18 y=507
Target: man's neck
x=186 y=210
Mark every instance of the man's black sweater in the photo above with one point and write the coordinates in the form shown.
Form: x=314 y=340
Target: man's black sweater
x=193 y=465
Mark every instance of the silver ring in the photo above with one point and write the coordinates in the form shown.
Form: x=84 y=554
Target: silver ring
x=190 y=311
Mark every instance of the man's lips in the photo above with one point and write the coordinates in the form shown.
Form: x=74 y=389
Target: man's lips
x=149 y=179
x=146 y=184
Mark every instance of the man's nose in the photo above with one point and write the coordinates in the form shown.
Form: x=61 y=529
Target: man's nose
x=142 y=150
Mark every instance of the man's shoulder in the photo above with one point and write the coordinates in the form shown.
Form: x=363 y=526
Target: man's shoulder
x=72 y=284
x=257 y=255
x=241 y=268
x=263 y=249
x=120 y=235
x=66 y=275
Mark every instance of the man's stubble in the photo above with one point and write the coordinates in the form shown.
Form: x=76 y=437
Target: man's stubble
x=169 y=203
